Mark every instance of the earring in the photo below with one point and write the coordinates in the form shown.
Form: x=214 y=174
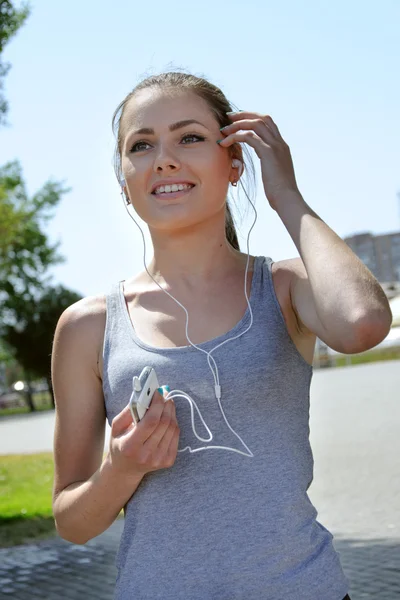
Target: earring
x=234 y=183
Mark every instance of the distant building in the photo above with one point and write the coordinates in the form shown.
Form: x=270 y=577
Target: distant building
x=380 y=253
x=391 y=289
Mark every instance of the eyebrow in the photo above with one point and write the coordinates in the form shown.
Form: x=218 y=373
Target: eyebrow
x=173 y=127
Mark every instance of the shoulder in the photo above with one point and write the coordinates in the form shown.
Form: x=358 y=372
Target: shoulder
x=285 y=273
x=289 y=268
x=83 y=324
x=85 y=312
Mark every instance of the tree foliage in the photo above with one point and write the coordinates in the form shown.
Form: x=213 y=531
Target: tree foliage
x=11 y=19
x=29 y=306
x=25 y=252
x=32 y=345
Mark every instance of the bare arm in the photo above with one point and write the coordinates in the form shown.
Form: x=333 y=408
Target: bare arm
x=90 y=492
x=83 y=510
x=333 y=293
x=87 y=494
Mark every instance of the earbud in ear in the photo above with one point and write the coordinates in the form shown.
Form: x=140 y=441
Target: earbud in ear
x=238 y=164
x=122 y=183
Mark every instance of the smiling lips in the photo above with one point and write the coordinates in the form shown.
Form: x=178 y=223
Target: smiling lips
x=172 y=189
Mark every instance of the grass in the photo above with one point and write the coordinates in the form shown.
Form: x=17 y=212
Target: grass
x=368 y=357
x=17 y=531
x=41 y=401
x=26 y=483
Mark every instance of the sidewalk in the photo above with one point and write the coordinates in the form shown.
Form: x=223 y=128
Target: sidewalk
x=354 y=424
x=56 y=569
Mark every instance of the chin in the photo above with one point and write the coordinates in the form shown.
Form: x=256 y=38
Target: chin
x=176 y=217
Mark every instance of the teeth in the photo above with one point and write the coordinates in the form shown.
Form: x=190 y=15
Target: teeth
x=172 y=188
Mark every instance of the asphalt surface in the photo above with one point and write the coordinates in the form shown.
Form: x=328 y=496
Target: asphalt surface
x=355 y=427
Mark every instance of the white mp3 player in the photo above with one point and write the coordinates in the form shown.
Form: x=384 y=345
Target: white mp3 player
x=144 y=387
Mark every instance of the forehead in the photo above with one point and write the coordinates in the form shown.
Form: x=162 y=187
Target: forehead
x=159 y=108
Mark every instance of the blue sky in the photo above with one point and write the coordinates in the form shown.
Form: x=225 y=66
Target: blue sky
x=327 y=72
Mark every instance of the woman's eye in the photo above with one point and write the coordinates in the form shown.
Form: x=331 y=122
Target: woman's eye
x=136 y=147
x=191 y=135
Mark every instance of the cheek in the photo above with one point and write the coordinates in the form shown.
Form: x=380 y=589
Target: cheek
x=210 y=160
x=129 y=169
x=216 y=172
x=136 y=178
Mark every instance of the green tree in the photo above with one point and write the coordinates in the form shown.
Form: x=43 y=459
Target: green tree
x=11 y=19
x=32 y=345
x=29 y=306
x=9 y=368
x=25 y=252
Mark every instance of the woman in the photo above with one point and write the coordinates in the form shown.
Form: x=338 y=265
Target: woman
x=230 y=519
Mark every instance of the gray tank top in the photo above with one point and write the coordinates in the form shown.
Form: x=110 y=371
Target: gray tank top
x=220 y=525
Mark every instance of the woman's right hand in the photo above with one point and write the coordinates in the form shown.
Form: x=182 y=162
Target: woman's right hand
x=150 y=445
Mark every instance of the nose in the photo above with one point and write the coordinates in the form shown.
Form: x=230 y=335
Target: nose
x=166 y=160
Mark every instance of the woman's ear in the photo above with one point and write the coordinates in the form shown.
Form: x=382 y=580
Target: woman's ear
x=237 y=164
x=122 y=183
x=237 y=154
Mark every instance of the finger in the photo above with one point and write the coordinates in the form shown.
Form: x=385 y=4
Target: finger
x=173 y=409
x=257 y=125
x=121 y=422
x=249 y=137
x=168 y=442
x=237 y=116
x=165 y=391
x=173 y=447
x=150 y=420
x=241 y=114
x=246 y=114
x=165 y=421
x=170 y=402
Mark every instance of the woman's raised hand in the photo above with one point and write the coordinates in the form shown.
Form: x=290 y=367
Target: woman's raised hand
x=260 y=132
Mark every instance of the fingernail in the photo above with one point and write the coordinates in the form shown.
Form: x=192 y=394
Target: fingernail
x=219 y=141
x=226 y=127
x=161 y=391
x=167 y=388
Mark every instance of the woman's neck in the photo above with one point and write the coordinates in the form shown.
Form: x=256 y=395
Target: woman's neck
x=193 y=257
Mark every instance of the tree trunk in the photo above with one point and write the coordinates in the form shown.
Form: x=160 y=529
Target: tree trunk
x=50 y=386
x=29 y=398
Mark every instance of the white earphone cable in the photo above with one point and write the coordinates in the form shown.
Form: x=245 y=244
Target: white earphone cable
x=217 y=386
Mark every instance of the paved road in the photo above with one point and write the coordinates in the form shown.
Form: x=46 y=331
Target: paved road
x=355 y=426
x=29 y=433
